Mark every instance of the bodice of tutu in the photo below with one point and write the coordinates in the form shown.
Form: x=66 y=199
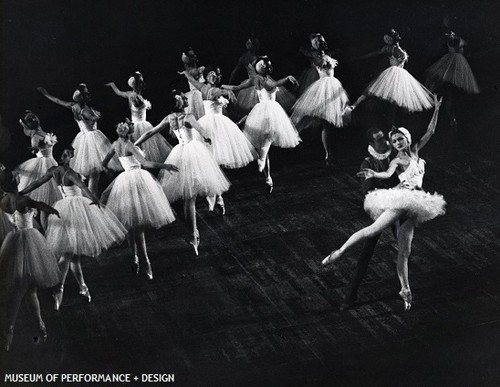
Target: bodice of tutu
x=325 y=73
x=138 y=113
x=186 y=135
x=70 y=190
x=45 y=152
x=455 y=49
x=265 y=95
x=413 y=176
x=212 y=107
x=398 y=60
x=21 y=221
x=87 y=125
x=129 y=162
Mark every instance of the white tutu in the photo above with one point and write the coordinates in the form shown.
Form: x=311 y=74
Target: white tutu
x=156 y=148
x=83 y=229
x=285 y=98
x=452 y=68
x=33 y=169
x=90 y=150
x=230 y=148
x=325 y=98
x=5 y=226
x=138 y=200
x=419 y=205
x=198 y=173
x=307 y=78
x=398 y=86
x=26 y=259
x=268 y=122
x=248 y=98
x=195 y=104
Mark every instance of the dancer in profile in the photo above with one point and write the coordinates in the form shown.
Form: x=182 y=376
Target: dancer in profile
x=199 y=174
x=135 y=196
x=407 y=200
x=26 y=261
x=451 y=75
x=84 y=228
x=395 y=84
x=267 y=124
x=325 y=100
x=157 y=148
x=229 y=146
x=91 y=145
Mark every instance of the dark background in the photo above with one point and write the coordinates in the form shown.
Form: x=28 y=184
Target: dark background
x=58 y=44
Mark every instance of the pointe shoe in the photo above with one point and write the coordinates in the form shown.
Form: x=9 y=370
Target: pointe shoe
x=7 y=338
x=405 y=294
x=149 y=270
x=84 y=291
x=43 y=332
x=135 y=264
x=261 y=164
x=57 y=295
x=269 y=182
x=194 y=242
x=220 y=203
x=334 y=255
x=211 y=203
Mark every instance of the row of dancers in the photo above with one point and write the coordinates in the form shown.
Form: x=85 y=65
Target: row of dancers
x=81 y=222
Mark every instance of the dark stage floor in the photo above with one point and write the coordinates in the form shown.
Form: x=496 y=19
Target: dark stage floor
x=257 y=308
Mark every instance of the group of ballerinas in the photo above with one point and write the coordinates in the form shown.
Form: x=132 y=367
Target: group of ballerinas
x=78 y=222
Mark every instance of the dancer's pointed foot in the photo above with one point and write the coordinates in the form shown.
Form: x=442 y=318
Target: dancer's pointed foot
x=220 y=203
x=84 y=291
x=57 y=295
x=135 y=264
x=211 y=203
x=405 y=294
x=194 y=241
x=7 y=336
x=149 y=270
x=270 y=184
x=334 y=255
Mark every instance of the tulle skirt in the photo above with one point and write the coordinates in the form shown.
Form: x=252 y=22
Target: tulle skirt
x=398 y=86
x=26 y=259
x=421 y=206
x=33 y=169
x=268 y=122
x=157 y=147
x=138 y=200
x=325 y=98
x=83 y=229
x=307 y=78
x=5 y=226
x=198 y=173
x=248 y=98
x=230 y=148
x=452 y=68
x=90 y=150
x=195 y=104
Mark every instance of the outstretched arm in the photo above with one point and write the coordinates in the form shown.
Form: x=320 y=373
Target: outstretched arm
x=118 y=92
x=216 y=93
x=243 y=85
x=150 y=133
x=150 y=164
x=37 y=183
x=270 y=84
x=432 y=126
x=369 y=173
x=41 y=206
x=56 y=100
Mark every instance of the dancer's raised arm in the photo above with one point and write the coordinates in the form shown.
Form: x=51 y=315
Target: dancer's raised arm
x=431 y=128
x=56 y=100
x=118 y=92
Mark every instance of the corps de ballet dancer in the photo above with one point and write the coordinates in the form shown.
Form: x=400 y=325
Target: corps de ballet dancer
x=195 y=100
x=229 y=146
x=324 y=99
x=31 y=170
x=90 y=144
x=84 y=228
x=267 y=123
x=451 y=74
x=157 y=148
x=199 y=174
x=314 y=53
x=395 y=84
x=407 y=200
x=135 y=196
x=26 y=260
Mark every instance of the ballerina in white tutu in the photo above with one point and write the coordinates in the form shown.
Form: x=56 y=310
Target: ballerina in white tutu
x=229 y=146
x=31 y=170
x=157 y=148
x=135 y=196
x=26 y=261
x=195 y=100
x=452 y=73
x=407 y=201
x=91 y=145
x=325 y=99
x=199 y=174
x=267 y=124
x=84 y=228
x=395 y=84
